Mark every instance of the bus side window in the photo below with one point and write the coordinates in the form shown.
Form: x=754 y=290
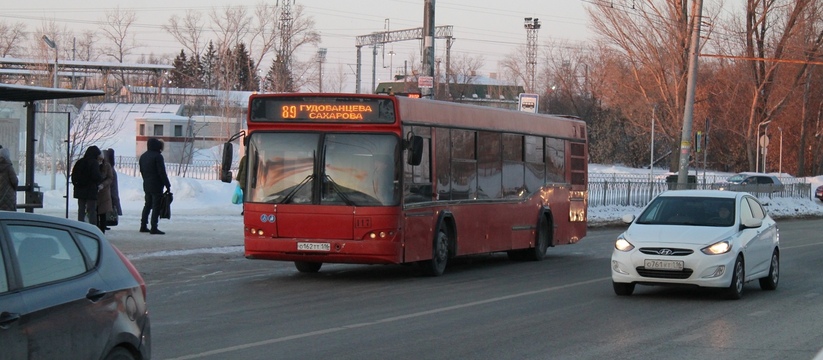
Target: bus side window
x=417 y=179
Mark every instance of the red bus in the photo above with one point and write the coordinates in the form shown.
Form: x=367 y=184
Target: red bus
x=381 y=179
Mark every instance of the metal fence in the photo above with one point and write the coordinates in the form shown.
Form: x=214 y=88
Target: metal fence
x=605 y=189
x=638 y=193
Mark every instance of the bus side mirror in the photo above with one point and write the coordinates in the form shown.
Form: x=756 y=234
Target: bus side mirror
x=225 y=166
x=415 y=150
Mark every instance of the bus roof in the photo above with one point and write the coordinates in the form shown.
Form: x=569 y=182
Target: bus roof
x=434 y=112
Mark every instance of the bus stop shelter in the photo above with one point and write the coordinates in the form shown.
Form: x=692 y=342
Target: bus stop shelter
x=30 y=95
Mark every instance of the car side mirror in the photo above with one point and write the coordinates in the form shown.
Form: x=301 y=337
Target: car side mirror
x=750 y=223
x=628 y=218
x=225 y=166
x=415 y=146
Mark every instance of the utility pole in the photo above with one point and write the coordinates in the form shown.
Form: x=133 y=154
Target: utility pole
x=283 y=77
x=321 y=57
x=428 y=45
x=688 y=113
x=531 y=25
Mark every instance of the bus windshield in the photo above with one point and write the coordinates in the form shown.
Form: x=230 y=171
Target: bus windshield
x=325 y=169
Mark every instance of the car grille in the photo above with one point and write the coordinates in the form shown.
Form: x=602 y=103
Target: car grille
x=664 y=274
x=674 y=252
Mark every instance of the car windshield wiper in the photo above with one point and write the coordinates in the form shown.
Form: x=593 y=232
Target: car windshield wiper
x=297 y=188
x=336 y=189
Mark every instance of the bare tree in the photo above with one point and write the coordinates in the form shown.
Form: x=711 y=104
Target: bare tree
x=462 y=75
x=653 y=38
x=188 y=30
x=12 y=38
x=117 y=30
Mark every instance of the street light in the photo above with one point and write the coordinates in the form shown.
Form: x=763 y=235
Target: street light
x=780 y=167
x=52 y=45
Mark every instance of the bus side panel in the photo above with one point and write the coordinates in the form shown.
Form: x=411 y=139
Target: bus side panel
x=485 y=228
x=418 y=234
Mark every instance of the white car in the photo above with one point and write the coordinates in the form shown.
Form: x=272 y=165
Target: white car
x=682 y=238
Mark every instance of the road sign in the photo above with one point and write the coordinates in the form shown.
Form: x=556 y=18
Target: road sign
x=425 y=82
x=528 y=102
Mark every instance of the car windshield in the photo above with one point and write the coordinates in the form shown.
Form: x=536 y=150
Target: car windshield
x=737 y=179
x=687 y=210
x=326 y=169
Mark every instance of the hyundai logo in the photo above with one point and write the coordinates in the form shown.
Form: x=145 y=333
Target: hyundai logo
x=665 y=252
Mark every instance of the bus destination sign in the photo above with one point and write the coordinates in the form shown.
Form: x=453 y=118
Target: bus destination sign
x=320 y=109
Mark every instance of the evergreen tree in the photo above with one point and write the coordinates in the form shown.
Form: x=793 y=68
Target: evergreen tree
x=178 y=75
x=209 y=65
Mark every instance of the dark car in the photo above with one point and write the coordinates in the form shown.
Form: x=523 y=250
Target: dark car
x=752 y=183
x=818 y=193
x=67 y=293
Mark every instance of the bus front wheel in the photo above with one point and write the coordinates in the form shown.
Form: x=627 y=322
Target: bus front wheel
x=440 y=255
x=307 y=267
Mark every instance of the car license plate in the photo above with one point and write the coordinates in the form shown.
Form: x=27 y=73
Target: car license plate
x=652 y=264
x=309 y=246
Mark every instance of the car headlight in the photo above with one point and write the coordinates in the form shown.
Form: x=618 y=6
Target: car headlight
x=622 y=244
x=720 y=247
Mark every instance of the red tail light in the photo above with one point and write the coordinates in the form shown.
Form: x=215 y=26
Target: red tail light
x=132 y=270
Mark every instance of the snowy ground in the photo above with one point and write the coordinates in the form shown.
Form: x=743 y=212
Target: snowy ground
x=211 y=199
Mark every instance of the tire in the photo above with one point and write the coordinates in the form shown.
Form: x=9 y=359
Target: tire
x=541 y=241
x=440 y=254
x=307 y=267
x=770 y=282
x=623 y=289
x=119 y=353
x=735 y=289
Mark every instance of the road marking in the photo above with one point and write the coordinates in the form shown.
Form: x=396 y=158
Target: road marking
x=385 y=320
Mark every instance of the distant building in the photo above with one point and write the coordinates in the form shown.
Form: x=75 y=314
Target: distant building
x=183 y=136
x=474 y=89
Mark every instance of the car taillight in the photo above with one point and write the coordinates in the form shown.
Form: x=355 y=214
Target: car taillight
x=132 y=270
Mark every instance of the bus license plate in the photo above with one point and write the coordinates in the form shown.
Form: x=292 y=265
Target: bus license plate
x=308 y=246
x=663 y=264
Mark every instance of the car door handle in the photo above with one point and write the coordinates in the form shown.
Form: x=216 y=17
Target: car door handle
x=6 y=318
x=95 y=295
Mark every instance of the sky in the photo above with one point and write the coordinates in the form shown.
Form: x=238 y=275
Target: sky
x=491 y=29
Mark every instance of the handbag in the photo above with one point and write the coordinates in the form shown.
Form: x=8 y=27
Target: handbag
x=237 y=197
x=165 y=208
x=111 y=218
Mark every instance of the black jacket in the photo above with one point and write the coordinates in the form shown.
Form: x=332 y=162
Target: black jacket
x=153 y=167
x=85 y=175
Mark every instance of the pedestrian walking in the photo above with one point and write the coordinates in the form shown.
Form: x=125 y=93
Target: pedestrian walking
x=104 y=203
x=8 y=182
x=86 y=177
x=153 y=171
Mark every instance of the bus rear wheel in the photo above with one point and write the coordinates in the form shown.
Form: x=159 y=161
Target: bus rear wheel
x=307 y=267
x=440 y=255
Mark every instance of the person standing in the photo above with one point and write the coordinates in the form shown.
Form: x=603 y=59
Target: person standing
x=86 y=177
x=8 y=182
x=115 y=188
x=153 y=171
x=104 y=203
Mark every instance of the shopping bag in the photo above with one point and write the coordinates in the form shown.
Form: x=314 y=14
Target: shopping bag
x=165 y=208
x=111 y=218
x=237 y=197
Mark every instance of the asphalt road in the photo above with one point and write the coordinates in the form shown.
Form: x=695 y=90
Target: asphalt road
x=222 y=306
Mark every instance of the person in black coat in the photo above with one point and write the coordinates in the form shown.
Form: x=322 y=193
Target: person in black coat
x=86 y=177
x=153 y=170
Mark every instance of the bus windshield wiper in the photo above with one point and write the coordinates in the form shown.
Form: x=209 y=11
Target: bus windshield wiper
x=338 y=191
x=297 y=188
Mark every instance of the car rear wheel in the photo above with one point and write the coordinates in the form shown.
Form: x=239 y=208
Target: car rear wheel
x=735 y=289
x=307 y=267
x=120 y=354
x=770 y=282
x=623 y=289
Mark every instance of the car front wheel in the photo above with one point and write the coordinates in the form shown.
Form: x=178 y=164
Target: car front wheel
x=623 y=289
x=735 y=289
